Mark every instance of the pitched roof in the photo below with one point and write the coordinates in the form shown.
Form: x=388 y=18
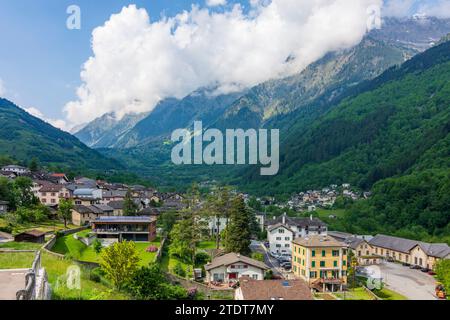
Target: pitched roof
x=231 y=258
x=353 y=242
x=116 y=204
x=103 y=207
x=298 y=221
x=34 y=233
x=51 y=188
x=393 y=243
x=279 y=225
x=438 y=250
x=319 y=241
x=274 y=289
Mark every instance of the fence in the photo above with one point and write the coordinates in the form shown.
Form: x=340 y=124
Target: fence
x=36 y=283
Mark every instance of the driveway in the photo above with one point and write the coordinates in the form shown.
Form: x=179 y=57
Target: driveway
x=413 y=284
x=11 y=281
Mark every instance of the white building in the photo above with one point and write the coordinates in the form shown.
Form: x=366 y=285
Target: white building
x=281 y=231
x=15 y=169
x=216 y=225
x=232 y=266
x=280 y=238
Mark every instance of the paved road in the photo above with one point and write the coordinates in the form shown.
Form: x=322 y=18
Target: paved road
x=413 y=284
x=257 y=246
x=11 y=281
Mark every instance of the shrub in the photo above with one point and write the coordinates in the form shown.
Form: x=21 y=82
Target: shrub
x=7 y=229
x=95 y=275
x=178 y=269
x=97 y=245
x=201 y=258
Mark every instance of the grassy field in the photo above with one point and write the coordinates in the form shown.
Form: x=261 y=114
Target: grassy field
x=46 y=226
x=207 y=245
x=20 y=245
x=16 y=260
x=88 y=290
x=79 y=251
x=355 y=294
x=387 y=294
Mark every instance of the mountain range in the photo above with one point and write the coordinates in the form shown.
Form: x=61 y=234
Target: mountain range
x=23 y=137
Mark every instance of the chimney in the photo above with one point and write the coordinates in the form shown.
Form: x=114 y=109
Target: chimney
x=284 y=218
x=311 y=217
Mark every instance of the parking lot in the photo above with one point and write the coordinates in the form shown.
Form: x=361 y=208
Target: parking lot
x=413 y=284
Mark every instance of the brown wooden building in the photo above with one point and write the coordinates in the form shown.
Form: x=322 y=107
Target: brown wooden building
x=138 y=229
x=30 y=236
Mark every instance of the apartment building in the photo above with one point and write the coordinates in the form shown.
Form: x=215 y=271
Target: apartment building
x=321 y=261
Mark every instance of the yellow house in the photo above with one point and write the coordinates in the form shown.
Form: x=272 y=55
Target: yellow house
x=321 y=261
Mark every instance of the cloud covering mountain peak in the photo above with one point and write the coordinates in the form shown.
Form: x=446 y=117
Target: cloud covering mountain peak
x=137 y=62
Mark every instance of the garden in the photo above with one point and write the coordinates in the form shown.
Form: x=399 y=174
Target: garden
x=73 y=248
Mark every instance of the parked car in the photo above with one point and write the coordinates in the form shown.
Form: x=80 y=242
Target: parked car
x=415 y=267
x=425 y=270
x=431 y=273
x=405 y=264
x=286 y=265
x=282 y=259
x=275 y=255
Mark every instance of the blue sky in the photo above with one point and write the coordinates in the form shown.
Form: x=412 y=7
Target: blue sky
x=40 y=59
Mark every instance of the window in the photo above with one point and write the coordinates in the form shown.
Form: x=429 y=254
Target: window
x=322 y=264
x=335 y=253
x=359 y=253
x=278 y=238
x=255 y=277
x=53 y=194
x=323 y=253
x=53 y=201
x=376 y=250
x=287 y=238
x=44 y=200
x=313 y=264
x=280 y=230
x=287 y=245
x=278 y=245
x=313 y=274
x=344 y=263
x=335 y=264
x=313 y=253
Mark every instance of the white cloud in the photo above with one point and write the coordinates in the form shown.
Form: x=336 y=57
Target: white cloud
x=440 y=9
x=398 y=8
x=57 y=123
x=136 y=62
x=2 y=88
x=214 y=3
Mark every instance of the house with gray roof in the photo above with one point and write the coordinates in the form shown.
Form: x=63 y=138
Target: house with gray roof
x=414 y=252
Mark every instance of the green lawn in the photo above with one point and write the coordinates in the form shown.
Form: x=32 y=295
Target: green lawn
x=207 y=245
x=355 y=294
x=387 y=294
x=75 y=249
x=79 y=251
x=89 y=290
x=325 y=213
x=46 y=226
x=168 y=263
x=16 y=260
x=20 y=245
